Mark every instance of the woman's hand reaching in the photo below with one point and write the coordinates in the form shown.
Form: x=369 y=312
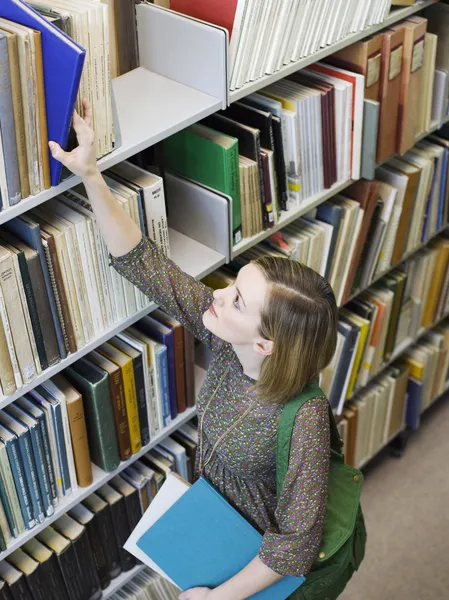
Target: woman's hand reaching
x=82 y=160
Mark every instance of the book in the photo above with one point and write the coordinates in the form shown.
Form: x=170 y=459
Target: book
x=55 y=588
x=221 y=528
x=61 y=55
x=93 y=383
x=16 y=581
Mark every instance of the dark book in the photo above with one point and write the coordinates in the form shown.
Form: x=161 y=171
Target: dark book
x=139 y=379
x=2 y=535
x=77 y=534
x=338 y=394
x=29 y=232
x=370 y=252
x=5 y=594
x=12 y=448
x=105 y=528
x=178 y=338
x=189 y=364
x=66 y=557
x=249 y=146
x=39 y=460
x=118 y=401
x=331 y=214
x=48 y=568
x=415 y=393
x=396 y=283
x=13 y=244
x=35 y=577
x=132 y=500
x=93 y=383
x=164 y=335
x=87 y=518
x=122 y=529
x=26 y=456
x=16 y=582
x=27 y=404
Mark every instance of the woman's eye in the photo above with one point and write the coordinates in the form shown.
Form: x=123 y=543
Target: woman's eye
x=236 y=303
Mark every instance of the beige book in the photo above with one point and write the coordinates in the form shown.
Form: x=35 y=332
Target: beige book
x=68 y=278
x=10 y=487
x=19 y=119
x=28 y=85
x=7 y=381
x=428 y=75
x=10 y=342
x=16 y=317
x=26 y=313
x=42 y=138
x=244 y=196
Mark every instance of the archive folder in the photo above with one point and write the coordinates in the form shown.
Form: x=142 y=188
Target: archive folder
x=194 y=537
x=63 y=64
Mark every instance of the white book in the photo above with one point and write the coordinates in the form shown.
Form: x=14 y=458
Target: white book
x=250 y=32
x=351 y=247
x=59 y=396
x=179 y=454
x=190 y=432
x=328 y=230
x=440 y=96
x=304 y=19
x=255 y=58
x=288 y=34
x=278 y=32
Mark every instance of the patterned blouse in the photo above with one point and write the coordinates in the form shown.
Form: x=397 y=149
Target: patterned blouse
x=243 y=468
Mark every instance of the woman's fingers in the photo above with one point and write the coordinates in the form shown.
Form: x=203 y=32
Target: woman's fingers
x=59 y=154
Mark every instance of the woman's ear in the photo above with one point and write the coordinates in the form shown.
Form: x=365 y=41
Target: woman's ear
x=263 y=347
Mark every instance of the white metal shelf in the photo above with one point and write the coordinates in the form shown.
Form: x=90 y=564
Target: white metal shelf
x=194 y=258
x=395 y=16
x=150 y=108
x=120 y=581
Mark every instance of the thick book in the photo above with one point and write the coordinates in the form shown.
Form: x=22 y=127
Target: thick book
x=29 y=231
x=131 y=499
x=105 y=531
x=63 y=60
x=16 y=581
x=117 y=392
x=35 y=577
x=210 y=158
x=77 y=534
x=219 y=546
x=93 y=383
x=49 y=568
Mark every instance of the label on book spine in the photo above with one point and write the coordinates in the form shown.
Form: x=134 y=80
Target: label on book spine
x=373 y=70
x=396 y=62
x=418 y=55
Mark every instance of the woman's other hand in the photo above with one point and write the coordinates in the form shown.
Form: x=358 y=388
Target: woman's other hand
x=82 y=160
x=198 y=593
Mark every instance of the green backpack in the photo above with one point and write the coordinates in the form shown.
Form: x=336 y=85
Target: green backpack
x=344 y=537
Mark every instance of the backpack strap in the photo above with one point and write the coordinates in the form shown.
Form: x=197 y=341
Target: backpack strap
x=285 y=430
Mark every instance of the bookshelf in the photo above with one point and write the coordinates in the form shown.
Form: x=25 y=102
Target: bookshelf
x=196 y=259
x=396 y=15
x=121 y=581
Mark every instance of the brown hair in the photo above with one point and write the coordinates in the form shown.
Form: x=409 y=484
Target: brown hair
x=300 y=317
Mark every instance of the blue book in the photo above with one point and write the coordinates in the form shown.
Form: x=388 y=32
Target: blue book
x=45 y=400
x=26 y=453
x=63 y=64
x=160 y=352
x=219 y=545
x=331 y=214
x=440 y=222
x=38 y=455
x=28 y=405
x=164 y=335
x=12 y=447
x=415 y=390
x=29 y=232
x=350 y=332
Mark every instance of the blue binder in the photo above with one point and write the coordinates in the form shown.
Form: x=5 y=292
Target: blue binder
x=63 y=64
x=203 y=541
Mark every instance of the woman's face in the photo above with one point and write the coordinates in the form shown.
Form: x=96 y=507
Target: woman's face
x=234 y=316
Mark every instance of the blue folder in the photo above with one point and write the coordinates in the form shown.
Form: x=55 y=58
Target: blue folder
x=203 y=541
x=63 y=64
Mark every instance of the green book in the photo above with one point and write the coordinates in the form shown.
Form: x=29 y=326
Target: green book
x=396 y=283
x=210 y=158
x=93 y=383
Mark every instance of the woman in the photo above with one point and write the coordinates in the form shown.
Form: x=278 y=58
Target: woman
x=270 y=333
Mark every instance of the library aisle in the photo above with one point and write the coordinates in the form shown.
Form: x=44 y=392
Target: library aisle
x=405 y=505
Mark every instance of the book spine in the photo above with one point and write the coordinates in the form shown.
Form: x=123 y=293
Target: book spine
x=120 y=416
x=105 y=528
x=141 y=399
x=7 y=525
x=8 y=134
x=80 y=444
x=16 y=320
x=7 y=378
x=11 y=492
x=122 y=532
x=46 y=449
x=18 y=473
x=41 y=471
x=161 y=357
x=92 y=587
x=131 y=407
x=31 y=476
x=55 y=288
x=72 y=574
x=189 y=364
x=32 y=308
x=61 y=448
x=99 y=556
x=4 y=539
x=42 y=121
x=232 y=171
x=68 y=444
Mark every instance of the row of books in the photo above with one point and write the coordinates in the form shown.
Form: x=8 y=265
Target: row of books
x=397 y=398
x=299 y=136
x=82 y=551
x=24 y=114
x=100 y=411
x=147 y=586
x=266 y=36
x=58 y=290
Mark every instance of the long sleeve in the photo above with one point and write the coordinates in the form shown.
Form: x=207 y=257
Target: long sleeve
x=292 y=548
x=159 y=278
